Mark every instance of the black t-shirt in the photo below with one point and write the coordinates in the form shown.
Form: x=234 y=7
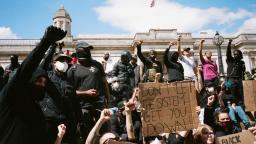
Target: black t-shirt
x=88 y=77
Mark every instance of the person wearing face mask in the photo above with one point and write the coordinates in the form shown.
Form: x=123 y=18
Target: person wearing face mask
x=219 y=120
x=151 y=65
x=115 y=92
x=22 y=121
x=89 y=80
x=60 y=104
x=124 y=72
x=210 y=69
x=174 y=68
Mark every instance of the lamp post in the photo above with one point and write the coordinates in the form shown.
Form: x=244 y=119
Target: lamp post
x=218 y=40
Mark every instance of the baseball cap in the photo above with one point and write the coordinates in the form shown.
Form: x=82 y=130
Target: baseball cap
x=58 y=56
x=84 y=45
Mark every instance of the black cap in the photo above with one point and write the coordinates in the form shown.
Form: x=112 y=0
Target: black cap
x=84 y=45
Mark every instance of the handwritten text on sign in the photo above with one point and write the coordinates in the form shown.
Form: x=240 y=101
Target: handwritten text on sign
x=245 y=137
x=168 y=107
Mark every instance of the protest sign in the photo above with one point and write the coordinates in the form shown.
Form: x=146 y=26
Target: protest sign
x=245 y=137
x=249 y=87
x=168 y=107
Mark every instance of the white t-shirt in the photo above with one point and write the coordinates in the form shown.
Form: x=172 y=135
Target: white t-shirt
x=109 y=65
x=188 y=64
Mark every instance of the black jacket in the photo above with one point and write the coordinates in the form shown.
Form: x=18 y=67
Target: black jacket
x=175 y=69
x=60 y=104
x=236 y=68
x=21 y=119
x=148 y=64
x=124 y=72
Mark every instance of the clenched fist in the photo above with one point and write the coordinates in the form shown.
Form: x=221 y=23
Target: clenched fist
x=53 y=34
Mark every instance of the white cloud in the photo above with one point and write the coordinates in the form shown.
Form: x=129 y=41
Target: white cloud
x=137 y=16
x=105 y=35
x=7 y=33
x=249 y=26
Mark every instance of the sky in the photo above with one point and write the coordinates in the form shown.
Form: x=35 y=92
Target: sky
x=27 y=19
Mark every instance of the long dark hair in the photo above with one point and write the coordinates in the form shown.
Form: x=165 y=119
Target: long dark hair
x=240 y=54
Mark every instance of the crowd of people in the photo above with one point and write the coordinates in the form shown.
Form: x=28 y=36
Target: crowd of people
x=57 y=97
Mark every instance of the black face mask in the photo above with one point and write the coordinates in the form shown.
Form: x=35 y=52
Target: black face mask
x=38 y=92
x=106 y=58
x=84 y=54
x=226 y=125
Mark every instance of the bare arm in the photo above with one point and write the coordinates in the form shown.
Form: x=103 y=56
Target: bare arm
x=61 y=133
x=220 y=96
x=105 y=116
x=129 y=125
x=200 y=51
x=198 y=81
x=178 y=44
x=87 y=93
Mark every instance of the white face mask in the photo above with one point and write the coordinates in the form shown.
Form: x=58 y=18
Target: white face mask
x=156 y=141
x=115 y=86
x=61 y=66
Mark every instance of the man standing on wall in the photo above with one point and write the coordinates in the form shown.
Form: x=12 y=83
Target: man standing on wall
x=88 y=78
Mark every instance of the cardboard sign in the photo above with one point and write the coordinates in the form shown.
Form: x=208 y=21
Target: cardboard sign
x=118 y=142
x=168 y=107
x=249 y=87
x=245 y=137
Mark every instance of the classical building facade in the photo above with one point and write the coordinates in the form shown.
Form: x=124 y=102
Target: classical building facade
x=157 y=39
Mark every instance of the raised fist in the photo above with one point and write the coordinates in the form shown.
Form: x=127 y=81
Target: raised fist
x=138 y=44
x=105 y=114
x=179 y=38
x=172 y=43
x=230 y=40
x=53 y=34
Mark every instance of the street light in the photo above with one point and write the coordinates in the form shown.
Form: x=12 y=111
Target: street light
x=218 y=40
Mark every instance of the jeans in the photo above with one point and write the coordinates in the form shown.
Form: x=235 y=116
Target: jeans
x=240 y=112
x=239 y=90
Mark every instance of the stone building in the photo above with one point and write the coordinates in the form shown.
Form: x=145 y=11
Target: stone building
x=157 y=39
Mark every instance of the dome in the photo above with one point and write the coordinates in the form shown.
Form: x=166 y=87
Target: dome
x=62 y=13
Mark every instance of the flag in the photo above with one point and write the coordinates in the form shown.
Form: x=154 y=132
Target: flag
x=152 y=3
